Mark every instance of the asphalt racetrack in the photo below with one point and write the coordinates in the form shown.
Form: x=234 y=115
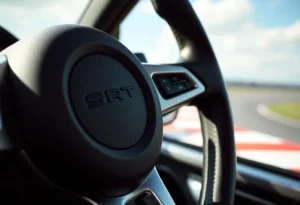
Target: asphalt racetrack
x=244 y=105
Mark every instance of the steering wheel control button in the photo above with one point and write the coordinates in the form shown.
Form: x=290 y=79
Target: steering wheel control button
x=146 y=198
x=168 y=89
x=171 y=85
x=179 y=88
x=189 y=85
x=108 y=101
x=177 y=79
x=164 y=80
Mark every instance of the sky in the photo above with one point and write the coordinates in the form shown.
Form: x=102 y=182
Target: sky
x=254 y=40
x=24 y=17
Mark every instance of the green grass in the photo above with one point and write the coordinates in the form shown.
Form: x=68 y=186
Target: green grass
x=287 y=109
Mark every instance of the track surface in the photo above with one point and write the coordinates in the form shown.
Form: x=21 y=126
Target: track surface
x=245 y=114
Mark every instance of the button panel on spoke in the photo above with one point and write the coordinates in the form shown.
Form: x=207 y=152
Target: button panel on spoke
x=171 y=85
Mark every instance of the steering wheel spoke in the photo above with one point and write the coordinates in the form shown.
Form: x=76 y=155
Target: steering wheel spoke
x=175 y=85
x=151 y=191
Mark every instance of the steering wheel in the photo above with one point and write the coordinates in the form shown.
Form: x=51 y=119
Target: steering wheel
x=88 y=114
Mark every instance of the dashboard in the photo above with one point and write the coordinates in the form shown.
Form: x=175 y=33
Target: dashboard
x=180 y=167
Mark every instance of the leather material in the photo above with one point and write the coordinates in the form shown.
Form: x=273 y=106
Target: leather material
x=41 y=71
x=197 y=55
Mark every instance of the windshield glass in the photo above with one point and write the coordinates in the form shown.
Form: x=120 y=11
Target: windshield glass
x=22 y=17
x=257 y=44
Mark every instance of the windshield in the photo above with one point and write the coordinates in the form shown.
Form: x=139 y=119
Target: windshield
x=257 y=44
x=24 y=17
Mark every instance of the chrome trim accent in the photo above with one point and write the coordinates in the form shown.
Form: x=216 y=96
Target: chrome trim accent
x=194 y=158
x=152 y=183
x=168 y=104
x=5 y=142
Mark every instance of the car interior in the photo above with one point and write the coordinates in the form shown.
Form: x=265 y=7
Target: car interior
x=82 y=119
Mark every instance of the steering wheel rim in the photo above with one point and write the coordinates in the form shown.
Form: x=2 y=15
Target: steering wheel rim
x=199 y=65
x=218 y=136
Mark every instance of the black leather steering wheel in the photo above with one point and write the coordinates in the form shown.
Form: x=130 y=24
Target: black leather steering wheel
x=88 y=114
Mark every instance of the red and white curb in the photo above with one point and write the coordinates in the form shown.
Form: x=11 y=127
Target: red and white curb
x=250 y=144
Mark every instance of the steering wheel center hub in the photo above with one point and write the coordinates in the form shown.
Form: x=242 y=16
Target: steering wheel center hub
x=108 y=101
x=95 y=122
